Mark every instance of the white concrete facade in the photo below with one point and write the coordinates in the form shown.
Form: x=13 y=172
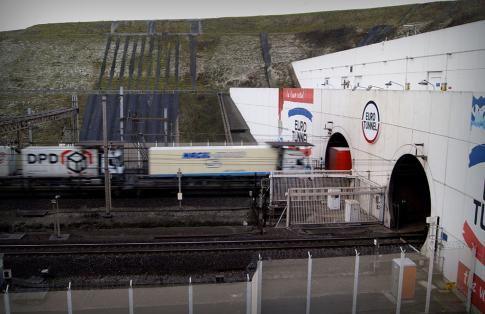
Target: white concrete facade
x=455 y=56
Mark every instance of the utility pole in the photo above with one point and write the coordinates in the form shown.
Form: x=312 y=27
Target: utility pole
x=107 y=177
x=122 y=117
x=75 y=119
x=29 y=112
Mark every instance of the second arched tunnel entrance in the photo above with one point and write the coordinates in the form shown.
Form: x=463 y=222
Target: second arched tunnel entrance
x=409 y=194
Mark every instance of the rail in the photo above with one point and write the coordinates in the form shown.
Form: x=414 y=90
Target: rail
x=210 y=246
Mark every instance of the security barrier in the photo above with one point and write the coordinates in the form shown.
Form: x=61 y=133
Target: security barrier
x=335 y=205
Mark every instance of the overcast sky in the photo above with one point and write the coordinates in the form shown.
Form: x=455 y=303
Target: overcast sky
x=19 y=14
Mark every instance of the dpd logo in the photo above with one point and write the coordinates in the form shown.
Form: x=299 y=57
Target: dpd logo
x=76 y=161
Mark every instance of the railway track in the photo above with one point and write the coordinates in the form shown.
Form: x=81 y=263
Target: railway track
x=206 y=246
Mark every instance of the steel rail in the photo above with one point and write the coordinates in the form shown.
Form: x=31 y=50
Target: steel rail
x=204 y=246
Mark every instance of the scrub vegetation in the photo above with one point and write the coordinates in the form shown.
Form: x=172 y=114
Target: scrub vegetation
x=59 y=59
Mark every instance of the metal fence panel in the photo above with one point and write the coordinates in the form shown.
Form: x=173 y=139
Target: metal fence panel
x=335 y=205
x=282 y=181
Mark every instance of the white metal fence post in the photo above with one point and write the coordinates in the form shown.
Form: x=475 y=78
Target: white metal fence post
x=130 y=298
x=69 y=299
x=6 y=301
x=356 y=282
x=248 y=296
x=288 y=209
x=432 y=244
x=260 y=284
x=191 y=295
x=399 y=287
x=471 y=274
x=309 y=284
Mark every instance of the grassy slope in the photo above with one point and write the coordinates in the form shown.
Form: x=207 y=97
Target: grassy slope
x=68 y=56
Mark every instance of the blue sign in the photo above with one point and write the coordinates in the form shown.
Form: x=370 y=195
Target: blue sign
x=300 y=112
x=478 y=112
x=477 y=155
x=202 y=155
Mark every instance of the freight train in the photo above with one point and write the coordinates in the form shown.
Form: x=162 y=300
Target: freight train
x=196 y=161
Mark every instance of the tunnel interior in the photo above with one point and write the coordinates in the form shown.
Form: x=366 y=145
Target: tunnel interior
x=409 y=195
x=336 y=140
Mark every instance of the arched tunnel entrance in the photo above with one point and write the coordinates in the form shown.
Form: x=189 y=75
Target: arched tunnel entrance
x=337 y=154
x=409 y=196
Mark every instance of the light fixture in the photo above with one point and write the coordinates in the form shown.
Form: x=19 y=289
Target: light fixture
x=358 y=86
x=329 y=127
x=426 y=82
x=388 y=84
x=372 y=86
x=327 y=84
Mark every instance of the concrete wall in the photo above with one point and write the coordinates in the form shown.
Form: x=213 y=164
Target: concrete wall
x=454 y=55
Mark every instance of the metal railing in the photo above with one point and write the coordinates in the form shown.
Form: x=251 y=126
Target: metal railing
x=282 y=181
x=335 y=205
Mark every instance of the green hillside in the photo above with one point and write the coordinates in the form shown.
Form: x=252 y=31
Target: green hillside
x=41 y=66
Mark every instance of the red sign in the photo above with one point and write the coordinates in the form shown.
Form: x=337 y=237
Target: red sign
x=472 y=241
x=301 y=95
x=478 y=287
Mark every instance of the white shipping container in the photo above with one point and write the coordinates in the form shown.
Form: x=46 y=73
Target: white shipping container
x=53 y=161
x=7 y=161
x=212 y=160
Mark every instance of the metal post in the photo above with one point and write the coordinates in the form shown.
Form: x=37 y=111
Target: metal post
x=107 y=178
x=288 y=209
x=75 y=119
x=130 y=298
x=431 y=246
x=29 y=112
x=376 y=252
x=53 y=202
x=471 y=274
x=309 y=284
x=356 y=282
x=69 y=299
x=6 y=301
x=179 y=195
x=122 y=116
x=58 y=229
x=191 y=295
x=260 y=284
x=165 y=125
x=248 y=295
x=399 y=288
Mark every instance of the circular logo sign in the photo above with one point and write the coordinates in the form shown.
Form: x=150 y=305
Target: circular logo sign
x=370 y=122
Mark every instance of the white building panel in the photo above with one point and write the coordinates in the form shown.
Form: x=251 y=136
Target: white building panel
x=259 y=108
x=457 y=159
x=440 y=106
x=437 y=148
x=449 y=56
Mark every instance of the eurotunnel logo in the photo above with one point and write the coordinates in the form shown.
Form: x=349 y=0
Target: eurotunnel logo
x=370 y=122
x=201 y=155
x=302 y=118
x=76 y=161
